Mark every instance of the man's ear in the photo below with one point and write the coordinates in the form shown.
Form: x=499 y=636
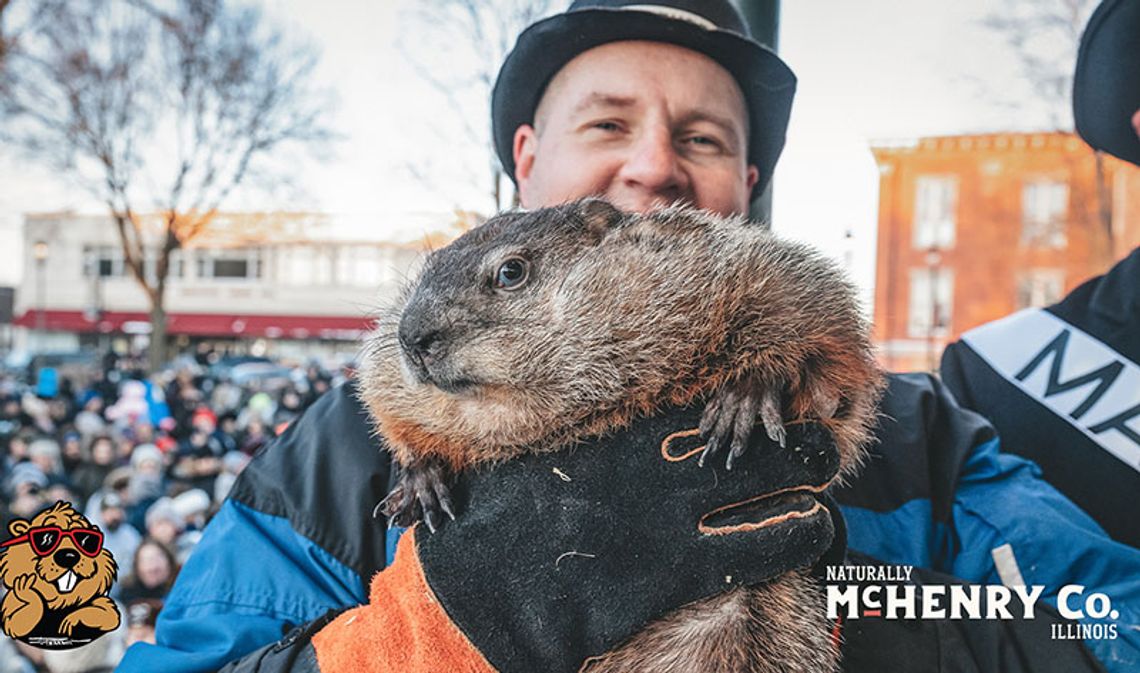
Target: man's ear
x=526 y=140
x=523 y=152
x=753 y=176
x=18 y=527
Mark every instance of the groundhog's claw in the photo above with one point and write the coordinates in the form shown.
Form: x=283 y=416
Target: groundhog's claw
x=434 y=498
x=731 y=415
x=772 y=418
x=825 y=402
x=709 y=421
x=420 y=494
x=444 y=497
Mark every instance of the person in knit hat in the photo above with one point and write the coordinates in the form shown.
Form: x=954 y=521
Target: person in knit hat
x=1062 y=383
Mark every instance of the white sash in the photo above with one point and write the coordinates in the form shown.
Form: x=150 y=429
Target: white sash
x=1089 y=385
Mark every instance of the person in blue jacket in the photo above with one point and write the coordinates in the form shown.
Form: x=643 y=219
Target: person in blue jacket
x=297 y=537
x=1062 y=383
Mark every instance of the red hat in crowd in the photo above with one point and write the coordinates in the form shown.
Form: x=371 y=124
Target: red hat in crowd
x=202 y=414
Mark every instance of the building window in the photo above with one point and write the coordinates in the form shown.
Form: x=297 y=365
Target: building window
x=304 y=265
x=1044 y=207
x=931 y=299
x=107 y=261
x=362 y=266
x=175 y=269
x=104 y=261
x=935 y=211
x=235 y=264
x=1040 y=287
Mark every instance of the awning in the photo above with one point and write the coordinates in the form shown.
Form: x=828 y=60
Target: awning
x=343 y=328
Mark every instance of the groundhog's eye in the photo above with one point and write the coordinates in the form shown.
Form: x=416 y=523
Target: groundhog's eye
x=512 y=274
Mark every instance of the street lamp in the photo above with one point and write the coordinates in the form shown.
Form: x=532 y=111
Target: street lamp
x=40 y=253
x=848 y=250
x=934 y=271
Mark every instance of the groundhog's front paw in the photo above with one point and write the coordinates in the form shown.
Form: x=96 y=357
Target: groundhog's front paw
x=24 y=589
x=68 y=624
x=420 y=494
x=732 y=413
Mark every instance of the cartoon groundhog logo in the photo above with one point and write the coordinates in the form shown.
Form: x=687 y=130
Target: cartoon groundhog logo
x=57 y=574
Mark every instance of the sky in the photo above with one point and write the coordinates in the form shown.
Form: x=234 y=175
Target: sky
x=869 y=71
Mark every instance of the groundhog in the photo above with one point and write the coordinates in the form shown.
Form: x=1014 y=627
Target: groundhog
x=57 y=582
x=540 y=328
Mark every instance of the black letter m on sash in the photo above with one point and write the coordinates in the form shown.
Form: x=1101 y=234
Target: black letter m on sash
x=1056 y=348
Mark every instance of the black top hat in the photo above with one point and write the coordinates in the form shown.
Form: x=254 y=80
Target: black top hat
x=1106 y=86
x=711 y=27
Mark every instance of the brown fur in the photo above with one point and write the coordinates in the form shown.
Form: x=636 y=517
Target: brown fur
x=31 y=580
x=622 y=314
x=768 y=630
x=630 y=313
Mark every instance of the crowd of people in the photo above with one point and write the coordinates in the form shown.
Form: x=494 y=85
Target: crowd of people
x=147 y=459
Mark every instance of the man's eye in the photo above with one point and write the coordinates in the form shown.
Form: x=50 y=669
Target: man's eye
x=703 y=143
x=606 y=126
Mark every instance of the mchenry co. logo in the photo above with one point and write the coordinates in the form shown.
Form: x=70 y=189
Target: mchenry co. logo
x=57 y=574
x=868 y=591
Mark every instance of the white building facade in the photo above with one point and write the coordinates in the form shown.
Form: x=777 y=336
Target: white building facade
x=286 y=282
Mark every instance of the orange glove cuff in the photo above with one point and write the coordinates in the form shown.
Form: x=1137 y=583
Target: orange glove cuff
x=403 y=627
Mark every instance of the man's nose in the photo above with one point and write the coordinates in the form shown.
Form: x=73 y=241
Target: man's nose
x=654 y=167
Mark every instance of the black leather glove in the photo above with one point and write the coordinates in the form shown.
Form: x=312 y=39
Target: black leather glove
x=557 y=557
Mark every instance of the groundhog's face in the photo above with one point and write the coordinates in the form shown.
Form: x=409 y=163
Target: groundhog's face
x=487 y=310
x=64 y=556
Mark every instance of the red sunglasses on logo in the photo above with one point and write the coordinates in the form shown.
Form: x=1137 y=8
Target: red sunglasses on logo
x=45 y=539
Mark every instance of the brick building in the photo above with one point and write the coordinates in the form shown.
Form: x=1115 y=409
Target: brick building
x=975 y=227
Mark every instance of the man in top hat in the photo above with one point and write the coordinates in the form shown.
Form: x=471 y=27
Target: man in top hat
x=644 y=104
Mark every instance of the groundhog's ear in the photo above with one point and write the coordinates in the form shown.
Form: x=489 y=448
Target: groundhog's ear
x=18 y=527
x=599 y=215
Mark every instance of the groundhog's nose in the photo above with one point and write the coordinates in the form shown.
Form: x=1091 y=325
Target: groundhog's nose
x=421 y=345
x=66 y=558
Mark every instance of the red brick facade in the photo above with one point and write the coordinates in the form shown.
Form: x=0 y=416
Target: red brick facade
x=972 y=228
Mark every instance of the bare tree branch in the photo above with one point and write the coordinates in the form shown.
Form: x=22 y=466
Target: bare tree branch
x=473 y=37
x=1044 y=36
x=164 y=106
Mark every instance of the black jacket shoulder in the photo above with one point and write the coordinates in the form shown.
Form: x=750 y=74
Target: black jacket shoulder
x=921 y=442
x=325 y=474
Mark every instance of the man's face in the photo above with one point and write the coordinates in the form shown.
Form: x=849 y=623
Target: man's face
x=152 y=566
x=163 y=530
x=113 y=517
x=642 y=124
